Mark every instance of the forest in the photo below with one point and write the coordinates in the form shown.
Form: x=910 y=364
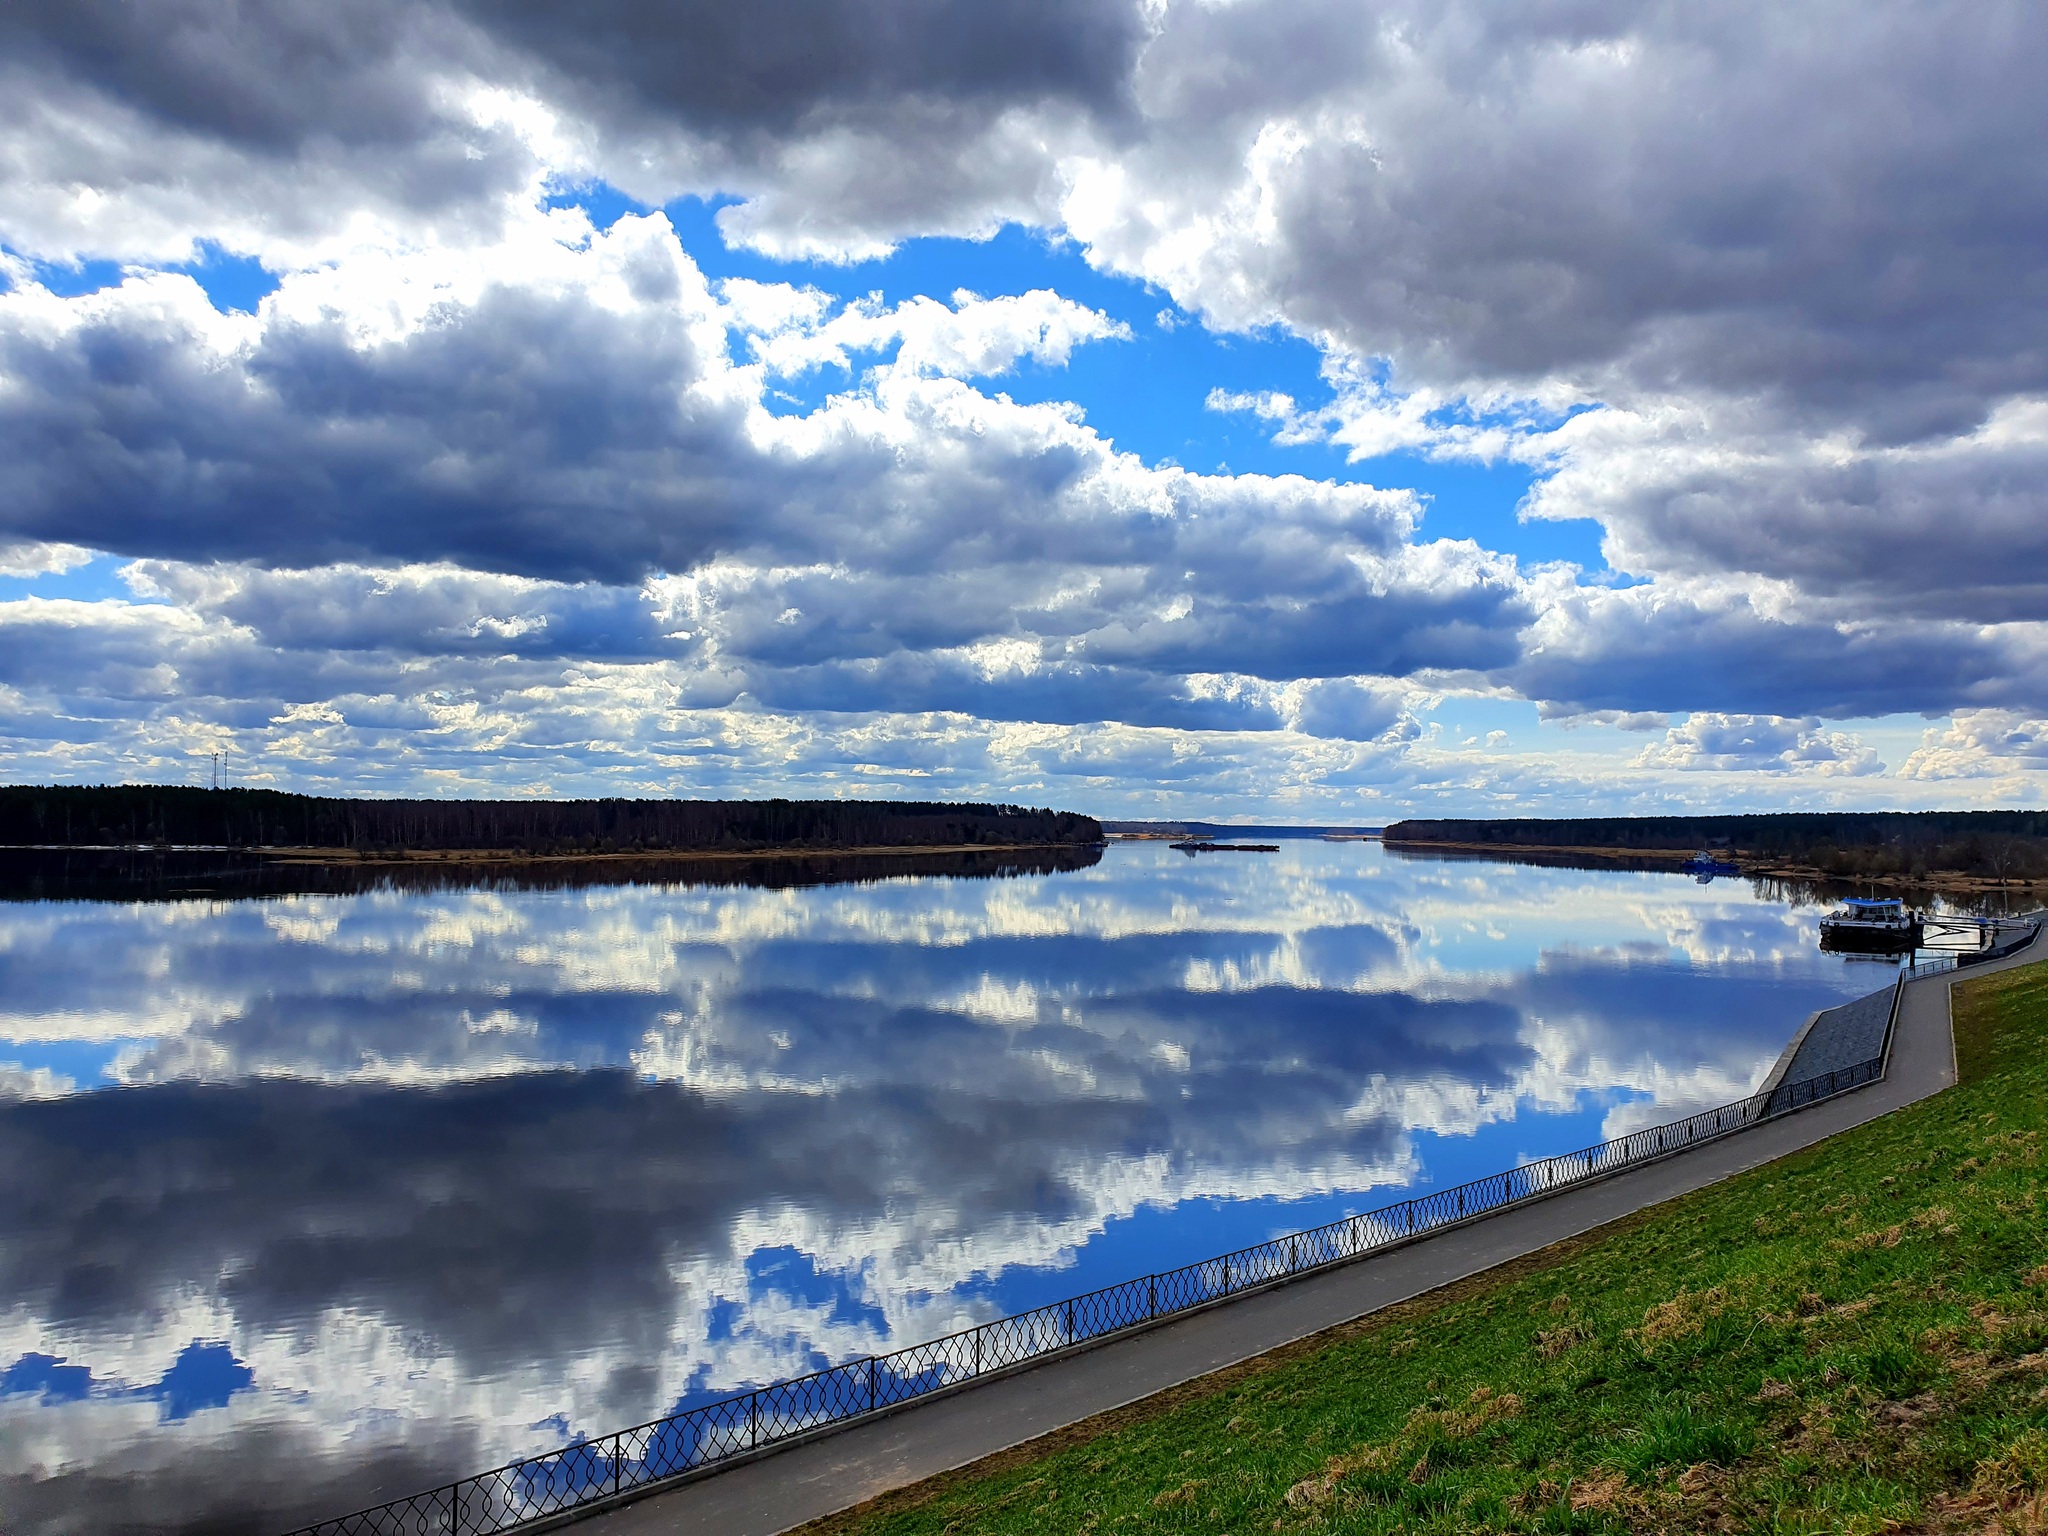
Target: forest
x=176 y=816
x=1997 y=845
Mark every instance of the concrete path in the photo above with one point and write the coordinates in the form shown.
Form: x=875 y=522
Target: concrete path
x=820 y=1477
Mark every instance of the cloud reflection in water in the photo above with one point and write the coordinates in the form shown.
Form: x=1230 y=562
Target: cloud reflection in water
x=408 y=1182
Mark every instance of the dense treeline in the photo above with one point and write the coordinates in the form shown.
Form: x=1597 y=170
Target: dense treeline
x=1994 y=844
x=252 y=818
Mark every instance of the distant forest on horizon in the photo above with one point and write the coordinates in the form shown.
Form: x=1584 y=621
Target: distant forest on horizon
x=1997 y=844
x=74 y=816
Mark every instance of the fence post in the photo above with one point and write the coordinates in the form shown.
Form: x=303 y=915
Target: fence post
x=1070 y=1322
x=1291 y=1254
x=617 y=1458
x=1151 y=1296
x=754 y=1421
x=1226 y=1274
x=871 y=1381
x=977 y=1351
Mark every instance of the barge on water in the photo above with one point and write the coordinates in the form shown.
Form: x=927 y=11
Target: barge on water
x=1871 y=926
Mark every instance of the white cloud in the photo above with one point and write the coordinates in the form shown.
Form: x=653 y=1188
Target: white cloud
x=792 y=333
x=1982 y=743
x=472 y=461
x=1713 y=742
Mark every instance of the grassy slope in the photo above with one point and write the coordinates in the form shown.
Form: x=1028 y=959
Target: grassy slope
x=1853 y=1339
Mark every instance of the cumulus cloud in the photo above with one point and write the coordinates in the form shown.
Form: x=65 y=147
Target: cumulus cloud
x=1487 y=192
x=1951 y=527
x=1478 y=192
x=1348 y=707
x=564 y=422
x=570 y=411
x=1982 y=743
x=1794 y=372
x=547 y=452
x=1710 y=741
x=793 y=332
x=40 y=559
x=292 y=136
x=1744 y=646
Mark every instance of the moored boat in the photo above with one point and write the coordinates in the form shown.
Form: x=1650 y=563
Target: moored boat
x=1871 y=925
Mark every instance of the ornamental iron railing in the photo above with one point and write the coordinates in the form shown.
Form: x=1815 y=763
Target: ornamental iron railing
x=593 y=1472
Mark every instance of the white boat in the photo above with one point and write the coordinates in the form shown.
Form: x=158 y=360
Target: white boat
x=1871 y=925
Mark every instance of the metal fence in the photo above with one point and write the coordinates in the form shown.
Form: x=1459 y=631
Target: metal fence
x=596 y=1471
x=2003 y=942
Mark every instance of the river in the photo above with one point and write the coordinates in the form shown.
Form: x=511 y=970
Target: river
x=315 y=1198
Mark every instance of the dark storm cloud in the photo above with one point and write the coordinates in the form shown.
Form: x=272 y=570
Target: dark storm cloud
x=1638 y=650
x=1389 y=634
x=1837 y=205
x=1956 y=529
x=268 y=127
x=1057 y=693
x=270 y=77
x=782 y=65
x=267 y=77
x=549 y=437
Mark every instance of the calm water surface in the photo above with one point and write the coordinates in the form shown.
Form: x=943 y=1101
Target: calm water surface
x=312 y=1200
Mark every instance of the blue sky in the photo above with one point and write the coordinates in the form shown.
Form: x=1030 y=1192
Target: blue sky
x=1166 y=411
x=1145 y=394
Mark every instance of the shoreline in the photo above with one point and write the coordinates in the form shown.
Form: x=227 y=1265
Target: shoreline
x=1940 y=882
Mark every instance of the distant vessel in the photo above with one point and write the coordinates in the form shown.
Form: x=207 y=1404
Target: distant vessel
x=1706 y=866
x=1871 y=925
x=1193 y=847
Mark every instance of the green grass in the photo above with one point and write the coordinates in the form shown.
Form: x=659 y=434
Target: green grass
x=1854 y=1339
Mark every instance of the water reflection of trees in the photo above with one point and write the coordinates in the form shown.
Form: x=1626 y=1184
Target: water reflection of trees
x=171 y=875
x=1798 y=892
x=1791 y=890
x=1543 y=858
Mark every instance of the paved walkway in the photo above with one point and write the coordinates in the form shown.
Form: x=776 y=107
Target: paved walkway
x=790 y=1487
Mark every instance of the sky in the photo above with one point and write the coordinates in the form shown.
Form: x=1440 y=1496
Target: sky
x=1311 y=410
